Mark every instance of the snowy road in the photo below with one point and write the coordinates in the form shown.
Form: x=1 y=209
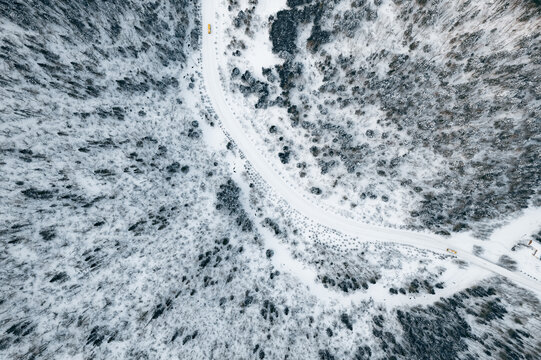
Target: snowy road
x=217 y=96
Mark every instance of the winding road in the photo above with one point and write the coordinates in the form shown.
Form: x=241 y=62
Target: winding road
x=304 y=206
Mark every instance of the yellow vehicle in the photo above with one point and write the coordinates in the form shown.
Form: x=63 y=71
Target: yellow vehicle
x=209 y=28
x=451 y=251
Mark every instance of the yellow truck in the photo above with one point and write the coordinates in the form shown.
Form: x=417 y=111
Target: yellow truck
x=209 y=28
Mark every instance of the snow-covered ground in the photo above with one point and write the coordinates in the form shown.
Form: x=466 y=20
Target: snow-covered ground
x=143 y=216
x=304 y=204
x=342 y=107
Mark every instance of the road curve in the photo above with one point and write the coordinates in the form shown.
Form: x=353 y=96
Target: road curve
x=216 y=94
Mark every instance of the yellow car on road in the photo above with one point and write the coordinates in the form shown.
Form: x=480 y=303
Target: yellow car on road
x=209 y=28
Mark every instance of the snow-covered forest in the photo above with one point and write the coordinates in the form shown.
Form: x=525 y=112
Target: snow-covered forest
x=133 y=225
